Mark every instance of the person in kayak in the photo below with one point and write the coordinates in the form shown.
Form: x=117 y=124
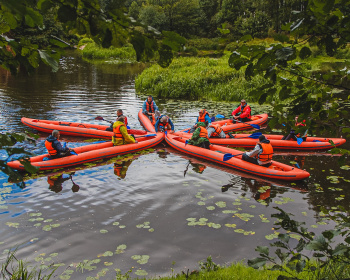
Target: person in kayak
x=164 y=123
x=121 y=136
x=242 y=113
x=261 y=154
x=54 y=147
x=150 y=109
x=120 y=169
x=200 y=136
x=119 y=114
x=203 y=116
x=292 y=135
x=215 y=131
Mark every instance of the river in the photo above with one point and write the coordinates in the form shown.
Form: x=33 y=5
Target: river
x=165 y=212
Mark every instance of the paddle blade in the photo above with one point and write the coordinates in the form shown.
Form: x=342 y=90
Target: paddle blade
x=220 y=116
x=186 y=142
x=299 y=140
x=227 y=157
x=99 y=118
x=73 y=153
x=166 y=132
x=255 y=126
x=255 y=135
x=212 y=119
x=128 y=127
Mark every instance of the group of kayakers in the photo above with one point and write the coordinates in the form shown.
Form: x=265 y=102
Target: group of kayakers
x=202 y=131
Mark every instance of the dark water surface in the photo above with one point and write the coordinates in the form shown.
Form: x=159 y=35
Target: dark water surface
x=148 y=218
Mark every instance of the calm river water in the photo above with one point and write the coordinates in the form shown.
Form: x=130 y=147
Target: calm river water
x=165 y=211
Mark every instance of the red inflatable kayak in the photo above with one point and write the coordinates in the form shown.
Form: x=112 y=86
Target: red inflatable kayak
x=216 y=154
x=91 y=153
x=74 y=128
x=250 y=140
x=145 y=122
x=228 y=126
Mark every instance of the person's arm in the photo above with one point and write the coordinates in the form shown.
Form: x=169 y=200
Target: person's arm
x=210 y=131
x=156 y=125
x=255 y=151
x=196 y=133
x=246 y=112
x=207 y=118
x=144 y=108
x=235 y=111
x=222 y=134
x=127 y=138
x=58 y=147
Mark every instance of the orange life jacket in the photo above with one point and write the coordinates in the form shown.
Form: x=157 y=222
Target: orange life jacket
x=217 y=128
x=150 y=106
x=117 y=133
x=51 y=180
x=245 y=108
x=265 y=195
x=203 y=133
x=52 y=151
x=267 y=152
x=164 y=125
x=202 y=118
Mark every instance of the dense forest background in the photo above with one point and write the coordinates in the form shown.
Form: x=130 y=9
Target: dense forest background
x=202 y=18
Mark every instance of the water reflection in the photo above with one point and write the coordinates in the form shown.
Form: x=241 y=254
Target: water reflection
x=56 y=182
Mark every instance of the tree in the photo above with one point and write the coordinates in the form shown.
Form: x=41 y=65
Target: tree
x=289 y=86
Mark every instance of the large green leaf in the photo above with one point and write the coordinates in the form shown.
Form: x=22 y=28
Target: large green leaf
x=257 y=262
x=237 y=61
x=49 y=60
x=173 y=40
x=66 y=13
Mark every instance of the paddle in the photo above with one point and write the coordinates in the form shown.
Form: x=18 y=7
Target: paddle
x=300 y=140
x=252 y=125
x=254 y=135
x=146 y=135
x=187 y=168
x=99 y=118
x=212 y=119
x=229 y=156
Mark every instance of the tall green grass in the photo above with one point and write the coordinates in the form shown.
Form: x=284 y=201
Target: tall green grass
x=196 y=78
x=125 y=54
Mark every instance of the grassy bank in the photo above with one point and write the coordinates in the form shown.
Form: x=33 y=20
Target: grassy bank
x=196 y=78
x=91 y=51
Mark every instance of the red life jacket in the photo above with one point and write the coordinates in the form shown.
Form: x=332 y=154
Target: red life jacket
x=117 y=133
x=245 y=108
x=267 y=152
x=217 y=128
x=52 y=151
x=203 y=133
x=202 y=118
x=150 y=106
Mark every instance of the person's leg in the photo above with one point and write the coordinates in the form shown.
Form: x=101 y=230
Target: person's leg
x=247 y=158
x=109 y=129
x=267 y=164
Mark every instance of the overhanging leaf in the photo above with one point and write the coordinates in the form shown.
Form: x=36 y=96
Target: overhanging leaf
x=48 y=60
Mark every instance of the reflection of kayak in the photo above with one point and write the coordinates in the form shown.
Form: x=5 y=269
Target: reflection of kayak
x=244 y=141
x=228 y=126
x=74 y=129
x=277 y=170
x=91 y=153
x=145 y=122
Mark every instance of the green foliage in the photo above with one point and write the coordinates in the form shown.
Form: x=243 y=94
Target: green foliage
x=13 y=269
x=330 y=250
x=196 y=78
x=126 y=54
